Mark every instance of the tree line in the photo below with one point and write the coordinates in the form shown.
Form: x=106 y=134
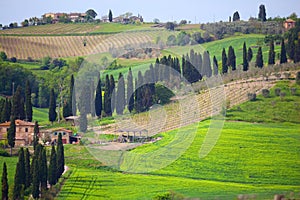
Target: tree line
x=33 y=178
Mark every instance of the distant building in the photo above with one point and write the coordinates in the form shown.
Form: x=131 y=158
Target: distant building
x=289 y=23
x=24 y=132
x=67 y=136
x=74 y=17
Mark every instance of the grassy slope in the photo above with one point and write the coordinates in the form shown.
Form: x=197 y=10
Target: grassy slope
x=248 y=158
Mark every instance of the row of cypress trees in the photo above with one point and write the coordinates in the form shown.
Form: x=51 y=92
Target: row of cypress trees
x=36 y=176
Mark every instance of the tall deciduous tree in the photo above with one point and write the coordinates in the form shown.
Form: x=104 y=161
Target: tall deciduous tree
x=98 y=99
x=245 y=60
x=271 y=60
x=259 y=58
x=130 y=94
x=28 y=104
x=120 y=97
x=4 y=182
x=60 y=156
x=283 y=58
x=224 y=62
x=110 y=16
x=52 y=107
x=262 y=16
x=52 y=171
x=11 y=134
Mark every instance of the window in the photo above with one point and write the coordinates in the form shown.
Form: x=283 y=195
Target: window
x=26 y=130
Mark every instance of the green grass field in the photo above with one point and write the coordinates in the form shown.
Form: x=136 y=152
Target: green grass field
x=258 y=159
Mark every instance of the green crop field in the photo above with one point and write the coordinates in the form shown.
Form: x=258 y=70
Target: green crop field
x=259 y=159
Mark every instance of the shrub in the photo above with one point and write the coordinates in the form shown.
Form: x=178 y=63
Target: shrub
x=277 y=91
x=13 y=59
x=293 y=91
x=298 y=78
x=265 y=93
x=282 y=95
x=4 y=153
x=252 y=96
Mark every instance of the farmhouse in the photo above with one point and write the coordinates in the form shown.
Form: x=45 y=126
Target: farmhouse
x=67 y=136
x=24 y=132
x=289 y=23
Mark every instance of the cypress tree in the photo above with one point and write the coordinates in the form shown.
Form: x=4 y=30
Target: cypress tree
x=231 y=58
x=236 y=16
x=271 y=60
x=52 y=107
x=43 y=169
x=112 y=93
x=22 y=172
x=224 y=62
x=262 y=16
x=27 y=169
x=36 y=131
x=207 y=64
x=130 y=94
x=249 y=55
x=259 y=58
x=216 y=67
x=245 y=60
x=297 y=52
x=92 y=99
x=283 y=58
x=83 y=122
x=28 y=104
x=18 y=105
x=291 y=46
x=120 y=100
x=35 y=179
x=6 y=111
x=72 y=97
x=110 y=16
x=52 y=171
x=60 y=156
x=107 y=97
x=11 y=134
x=98 y=99
x=17 y=190
x=4 y=182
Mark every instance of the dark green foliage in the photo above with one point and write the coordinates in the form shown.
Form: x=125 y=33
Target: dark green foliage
x=197 y=38
x=206 y=65
x=259 y=58
x=6 y=110
x=298 y=78
x=224 y=62
x=283 y=58
x=236 y=16
x=251 y=96
x=262 y=16
x=11 y=133
x=36 y=131
x=28 y=177
x=66 y=109
x=130 y=94
x=22 y=173
x=183 y=38
x=107 y=97
x=245 y=60
x=112 y=93
x=231 y=58
x=18 y=105
x=171 y=41
x=60 y=156
x=297 y=52
x=72 y=97
x=110 y=16
x=28 y=105
x=3 y=56
x=43 y=169
x=139 y=93
x=271 y=60
x=277 y=91
x=120 y=97
x=170 y=26
x=52 y=107
x=98 y=99
x=4 y=182
x=249 y=54
x=291 y=46
x=215 y=66
x=17 y=191
x=91 y=13
x=35 y=179
x=163 y=94
x=265 y=93
x=52 y=171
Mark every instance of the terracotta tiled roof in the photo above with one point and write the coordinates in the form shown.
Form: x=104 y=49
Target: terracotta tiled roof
x=18 y=122
x=289 y=21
